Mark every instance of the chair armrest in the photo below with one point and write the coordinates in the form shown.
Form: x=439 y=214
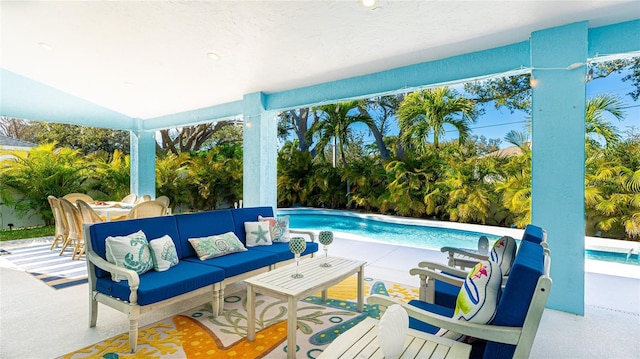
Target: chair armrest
x=463 y=252
x=132 y=277
x=308 y=233
x=422 y=272
x=443 y=267
x=498 y=334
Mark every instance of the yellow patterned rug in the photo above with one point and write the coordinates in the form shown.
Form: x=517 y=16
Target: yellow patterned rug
x=196 y=334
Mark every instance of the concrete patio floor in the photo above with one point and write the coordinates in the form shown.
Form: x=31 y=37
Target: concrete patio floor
x=37 y=321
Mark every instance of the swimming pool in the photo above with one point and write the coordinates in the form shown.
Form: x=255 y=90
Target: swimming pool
x=411 y=234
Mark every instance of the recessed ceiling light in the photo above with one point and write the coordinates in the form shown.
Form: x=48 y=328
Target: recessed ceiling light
x=213 y=56
x=127 y=83
x=369 y=3
x=45 y=46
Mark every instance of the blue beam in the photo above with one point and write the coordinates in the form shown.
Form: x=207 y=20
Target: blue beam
x=208 y=114
x=614 y=39
x=21 y=97
x=477 y=64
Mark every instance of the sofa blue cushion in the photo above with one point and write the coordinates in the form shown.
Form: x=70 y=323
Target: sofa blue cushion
x=241 y=262
x=202 y=224
x=157 y=286
x=154 y=227
x=283 y=252
x=433 y=308
x=533 y=234
x=250 y=214
x=517 y=294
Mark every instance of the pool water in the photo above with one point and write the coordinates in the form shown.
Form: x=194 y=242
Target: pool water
x=415 y=235
x=391 y=233
x=613 y=257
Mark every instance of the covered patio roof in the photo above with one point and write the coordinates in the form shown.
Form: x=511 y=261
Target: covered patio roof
x=143 y=66
x=129 y=61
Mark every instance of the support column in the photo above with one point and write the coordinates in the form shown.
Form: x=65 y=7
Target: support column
x=558 y=58
x=143 y=163
x=260 y=153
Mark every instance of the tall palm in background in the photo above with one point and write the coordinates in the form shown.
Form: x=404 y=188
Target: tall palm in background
x=335 y=121
x=424 y=114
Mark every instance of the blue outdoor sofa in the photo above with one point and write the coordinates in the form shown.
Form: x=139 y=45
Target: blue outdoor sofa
x=191 y=277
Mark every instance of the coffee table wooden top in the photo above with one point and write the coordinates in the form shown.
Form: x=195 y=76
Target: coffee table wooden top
x=361 y=341
x=314 y=278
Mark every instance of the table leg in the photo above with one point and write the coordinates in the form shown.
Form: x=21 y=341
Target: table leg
x=251 y=313
x=292 y=327
x=324 y=295
x=361 y=289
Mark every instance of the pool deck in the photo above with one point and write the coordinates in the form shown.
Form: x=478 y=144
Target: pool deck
x=38 y=322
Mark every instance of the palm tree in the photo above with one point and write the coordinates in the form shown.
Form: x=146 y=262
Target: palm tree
x=334 y=124
x=595 y=121
x=425 y=113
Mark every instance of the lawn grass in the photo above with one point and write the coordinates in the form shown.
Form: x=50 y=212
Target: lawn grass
x=22 y=233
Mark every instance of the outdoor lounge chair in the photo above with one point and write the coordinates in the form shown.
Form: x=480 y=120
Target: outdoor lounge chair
x=439 y=284
x=511 y=332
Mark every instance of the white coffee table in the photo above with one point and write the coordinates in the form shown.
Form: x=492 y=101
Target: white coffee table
x=279 y=284
x=361 y=341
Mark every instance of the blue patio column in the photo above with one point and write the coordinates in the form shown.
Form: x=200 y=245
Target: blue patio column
x=143 y=163
x=260 y=153
x=558 y=56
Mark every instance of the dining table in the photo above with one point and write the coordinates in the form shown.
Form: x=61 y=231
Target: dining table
x=111 y=209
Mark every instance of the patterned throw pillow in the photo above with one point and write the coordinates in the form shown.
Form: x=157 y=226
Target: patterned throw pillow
x=216 y=246
x=279 y=228
x=504 y=253
x=478 y=297
x=130 y=252
x=163 y=252
x=257 y=234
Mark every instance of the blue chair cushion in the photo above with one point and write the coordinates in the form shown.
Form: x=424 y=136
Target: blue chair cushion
x=446 y=294
x=283 y=252
x=517 y=294
x=202 y=224
x=241 y=262
x=153 y=227
x=433 y=308
x=157 y=286
x=533 y=234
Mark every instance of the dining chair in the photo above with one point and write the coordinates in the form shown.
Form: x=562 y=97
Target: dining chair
x=144 y=198
x=75 y=237
x=147 y=209
x=164 y=200
x=59 y=221
x=130 y=198
x=87 y=213
x=73 y=197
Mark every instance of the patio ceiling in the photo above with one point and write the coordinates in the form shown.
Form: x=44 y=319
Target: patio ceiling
x=150 y=59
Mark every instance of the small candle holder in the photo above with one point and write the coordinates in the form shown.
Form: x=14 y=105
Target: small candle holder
x=325 y=238
x=297 y=245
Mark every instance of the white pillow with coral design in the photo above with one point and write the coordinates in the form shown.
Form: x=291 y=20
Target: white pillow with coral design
x=163 y=252
x=130 y=252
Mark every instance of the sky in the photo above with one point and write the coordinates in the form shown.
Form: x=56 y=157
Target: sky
x=497 y=123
